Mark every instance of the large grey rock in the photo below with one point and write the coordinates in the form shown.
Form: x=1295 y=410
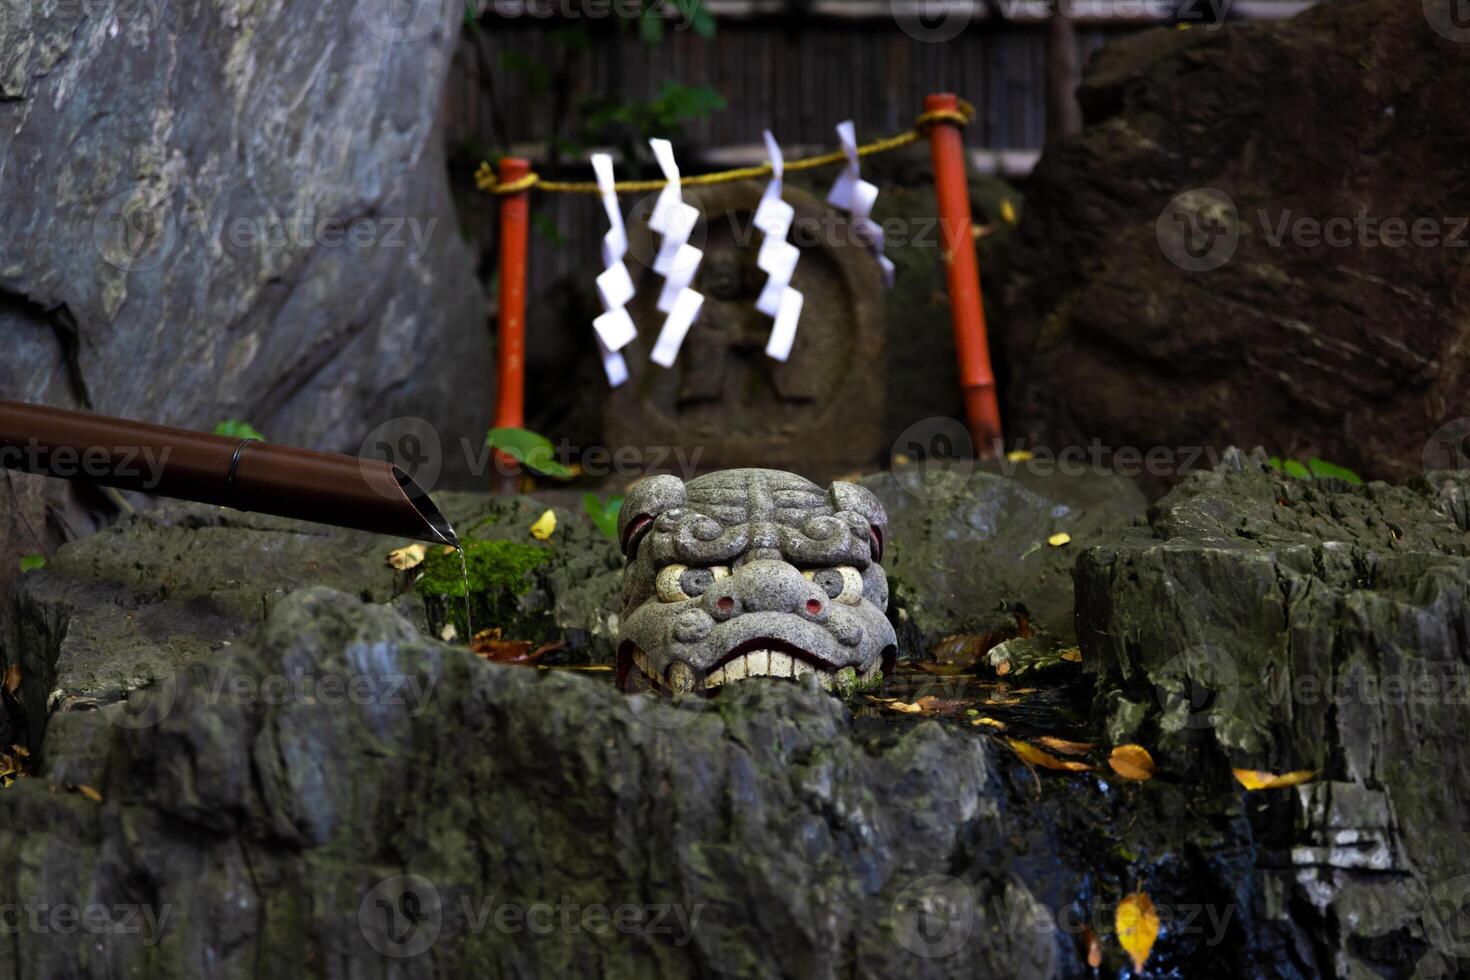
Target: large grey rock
x=1255 y=240
x=969 y=550
x=220 y=211
x=1264 y=623
x=160 y=591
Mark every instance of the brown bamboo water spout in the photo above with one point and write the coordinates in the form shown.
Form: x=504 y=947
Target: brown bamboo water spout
x=246 y=474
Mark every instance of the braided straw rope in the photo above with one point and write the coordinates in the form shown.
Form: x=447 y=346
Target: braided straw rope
x=486 y=180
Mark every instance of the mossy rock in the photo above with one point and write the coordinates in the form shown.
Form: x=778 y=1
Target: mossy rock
x=500 y=577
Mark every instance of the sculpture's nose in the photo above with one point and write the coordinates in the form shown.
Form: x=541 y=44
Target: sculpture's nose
x=769 y=586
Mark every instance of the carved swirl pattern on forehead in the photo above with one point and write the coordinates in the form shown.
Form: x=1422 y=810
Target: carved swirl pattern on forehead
x=701 y=540
x=841 y=547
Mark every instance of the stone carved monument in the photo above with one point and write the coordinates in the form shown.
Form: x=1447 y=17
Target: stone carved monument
x=819 y=410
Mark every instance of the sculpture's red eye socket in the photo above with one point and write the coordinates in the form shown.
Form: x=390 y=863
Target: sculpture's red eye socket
x=725 y=604
x=813 y=606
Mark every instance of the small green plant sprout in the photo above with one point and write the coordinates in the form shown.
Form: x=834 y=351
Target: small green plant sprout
x=603 y=513
x=532 y=450
x=1315 y=469
x=236 y=429
x=29 y=563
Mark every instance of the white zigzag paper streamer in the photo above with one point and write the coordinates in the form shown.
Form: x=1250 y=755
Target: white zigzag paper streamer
x=777 y=259
x=856 y=196
x=614 y=329
x=677 y=261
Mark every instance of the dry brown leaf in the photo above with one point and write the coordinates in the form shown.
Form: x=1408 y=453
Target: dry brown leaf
x=488 y=645
x=1038 y=757
x=1138 y=926
x=89 y=792
x=1003 y=668
x=1073 y=655
x=1065 y=747
x=989 y=722
x=409 y=556
x=12 y=678
x=1132 y=762
x=1254 y=779
x=1094 y=948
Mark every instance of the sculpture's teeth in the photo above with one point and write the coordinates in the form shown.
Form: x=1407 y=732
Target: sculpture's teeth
x=758 y=664
x=780 y=664
x=716 y=677
x=735 y=670
x=800 y=668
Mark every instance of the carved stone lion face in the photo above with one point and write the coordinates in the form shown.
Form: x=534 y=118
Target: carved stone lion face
x=751 y=573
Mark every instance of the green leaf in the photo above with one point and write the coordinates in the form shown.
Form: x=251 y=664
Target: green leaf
x=29 y=563
x=236 y=429
x=1293 y=468
x=1322 y=468
x=531 y=450
x=604 y=515
x=471 y=23
x=1274 y=462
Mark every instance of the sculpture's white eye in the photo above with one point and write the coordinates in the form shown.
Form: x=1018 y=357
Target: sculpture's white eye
x=843 y=584
x=676 y=583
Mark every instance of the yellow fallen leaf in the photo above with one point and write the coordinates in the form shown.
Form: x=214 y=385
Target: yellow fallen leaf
x=1138 y=926
x=449 y=634
x=1059 y=539
x=406 y=557
x=1073 y=655
x=1018 y=455
x=1003 y=668
x=12 y=678
x=1007 y=211
x=900 y=459
x=1063 y=746
x=989 y=722
x=1254 y=779
x=448 y=549
x=545 y=524
x=88 y=792
x=1132 y=762
x=1037 y=757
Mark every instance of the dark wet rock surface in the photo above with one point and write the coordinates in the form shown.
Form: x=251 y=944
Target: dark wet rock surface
x=338 y=791
x=1345 y=340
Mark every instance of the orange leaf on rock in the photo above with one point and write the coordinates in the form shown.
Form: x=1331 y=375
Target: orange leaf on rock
x=12 y=678
x=1094 y=948
x=89 y=792
x=1073 y=655
x=1132 y=762
x=1065 y=747
x=1137 y=922
x=1254 y=779
x=1038 y=757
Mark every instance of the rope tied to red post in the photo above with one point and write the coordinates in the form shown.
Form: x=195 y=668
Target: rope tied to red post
x=488 y=181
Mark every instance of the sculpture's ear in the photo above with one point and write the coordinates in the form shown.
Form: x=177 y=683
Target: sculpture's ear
x=860 y=500
x=647 y=499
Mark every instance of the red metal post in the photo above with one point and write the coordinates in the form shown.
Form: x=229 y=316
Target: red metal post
x=977 y=381
x=515 y=223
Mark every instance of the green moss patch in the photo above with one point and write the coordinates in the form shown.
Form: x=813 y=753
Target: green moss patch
x=500 y=574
